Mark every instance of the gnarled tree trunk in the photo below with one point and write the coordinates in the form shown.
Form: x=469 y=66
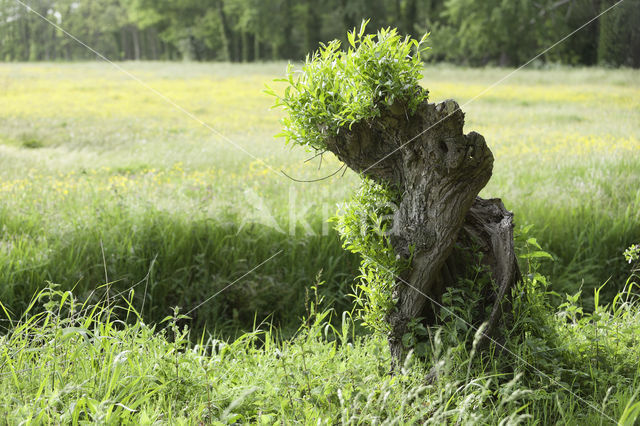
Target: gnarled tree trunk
x=439 y=171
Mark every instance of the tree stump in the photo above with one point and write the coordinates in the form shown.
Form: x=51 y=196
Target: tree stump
x=439 y=174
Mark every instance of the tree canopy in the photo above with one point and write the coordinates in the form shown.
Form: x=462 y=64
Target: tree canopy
x=504 y=32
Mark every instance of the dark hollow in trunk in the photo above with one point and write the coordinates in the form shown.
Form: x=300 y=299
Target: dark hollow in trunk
x=439 y=171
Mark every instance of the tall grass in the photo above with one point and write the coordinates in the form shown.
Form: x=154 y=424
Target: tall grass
x=78 y=362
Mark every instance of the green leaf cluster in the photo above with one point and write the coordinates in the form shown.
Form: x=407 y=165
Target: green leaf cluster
x=632 y=253
x=364 y=224
x=337 y=88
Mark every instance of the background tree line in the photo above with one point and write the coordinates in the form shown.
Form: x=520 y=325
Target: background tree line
x=501 y=32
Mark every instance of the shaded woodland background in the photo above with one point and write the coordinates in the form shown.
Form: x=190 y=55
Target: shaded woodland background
x=468 y=32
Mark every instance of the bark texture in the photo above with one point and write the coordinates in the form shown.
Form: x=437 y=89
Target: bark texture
x=439 y=171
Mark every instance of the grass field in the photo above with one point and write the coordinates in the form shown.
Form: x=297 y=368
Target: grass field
x=89 y=157
x=102 y=181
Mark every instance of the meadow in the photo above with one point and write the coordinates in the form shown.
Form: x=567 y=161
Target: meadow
x=108 y=190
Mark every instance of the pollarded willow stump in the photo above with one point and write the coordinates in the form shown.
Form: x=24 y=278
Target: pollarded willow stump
x=439 y=174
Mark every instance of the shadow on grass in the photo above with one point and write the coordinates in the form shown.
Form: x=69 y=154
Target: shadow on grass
x=168 y=261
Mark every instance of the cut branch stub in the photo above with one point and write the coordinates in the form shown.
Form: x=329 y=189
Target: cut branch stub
x=439 y=171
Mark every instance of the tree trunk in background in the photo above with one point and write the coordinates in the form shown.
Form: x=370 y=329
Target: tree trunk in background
x=409 y=17
x=226 y=32
x=135 y=35
x=244 y=38
x=439 y=174
x=288 y=47
x=123 y=43
x=250 y=46
x=153 y=43
x=144 y=44
x=256 y=48
x=236 y=47
x=27 y=40
x=312 y=27
x=51 y=46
